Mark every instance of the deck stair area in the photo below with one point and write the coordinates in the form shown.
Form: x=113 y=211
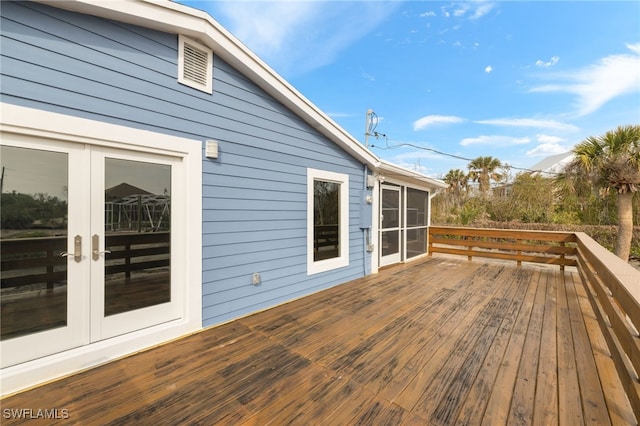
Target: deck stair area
x=500 y=339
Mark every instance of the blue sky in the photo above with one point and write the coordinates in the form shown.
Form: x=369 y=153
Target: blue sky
x=515 y=80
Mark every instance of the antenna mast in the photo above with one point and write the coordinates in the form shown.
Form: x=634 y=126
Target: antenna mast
x=370 y=125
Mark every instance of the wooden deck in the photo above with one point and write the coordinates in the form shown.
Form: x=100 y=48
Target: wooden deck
x=441 y=341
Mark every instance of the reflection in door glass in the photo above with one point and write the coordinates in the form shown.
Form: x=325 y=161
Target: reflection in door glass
x=33 y=235
x=137 y=235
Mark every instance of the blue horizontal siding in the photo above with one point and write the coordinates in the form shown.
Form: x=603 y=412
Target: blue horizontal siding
x=254 y=194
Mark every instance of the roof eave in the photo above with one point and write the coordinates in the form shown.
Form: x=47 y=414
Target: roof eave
x=410 y=175
x=166 y=16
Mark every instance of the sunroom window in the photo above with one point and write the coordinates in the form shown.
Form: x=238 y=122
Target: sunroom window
x=417 y=222
x=328 y=220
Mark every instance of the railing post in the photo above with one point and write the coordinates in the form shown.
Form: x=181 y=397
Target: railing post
x=469 y=256
x=518 y=253
x=127 y=260
x=50 y=269
x=562 y=244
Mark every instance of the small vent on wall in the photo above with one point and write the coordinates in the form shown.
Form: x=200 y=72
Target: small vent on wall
x=195 y=65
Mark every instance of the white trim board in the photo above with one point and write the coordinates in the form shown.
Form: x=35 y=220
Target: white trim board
x=314 y=267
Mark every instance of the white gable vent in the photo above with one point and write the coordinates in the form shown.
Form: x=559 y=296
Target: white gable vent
x=195 y=65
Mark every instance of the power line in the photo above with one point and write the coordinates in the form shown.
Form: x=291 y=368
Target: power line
x=424 y=148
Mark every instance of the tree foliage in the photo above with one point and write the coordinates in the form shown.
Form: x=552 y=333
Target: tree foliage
x=483 y=170
x=610 y=163
x=600 y=187
x=23 y=211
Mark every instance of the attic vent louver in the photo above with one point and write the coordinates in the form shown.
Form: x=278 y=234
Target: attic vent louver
x=195 y=63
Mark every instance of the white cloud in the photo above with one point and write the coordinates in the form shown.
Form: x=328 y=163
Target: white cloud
x=284 y=32
x=365 y=75
x=549 y=139
x=528 y=122
x=495 y=141
x=428 y=14
x=431 y=120
x=554 y=60
x=488 y=69
x=482 y=9
x=599 y=83
x=546 y=149
x=426 y=162
x=472 y=9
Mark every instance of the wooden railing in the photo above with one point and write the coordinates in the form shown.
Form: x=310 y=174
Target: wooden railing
x=325 y=236
x=148 y=250
x=32 y=260
x=613 y=286
x=27 y=261
x=554 y=248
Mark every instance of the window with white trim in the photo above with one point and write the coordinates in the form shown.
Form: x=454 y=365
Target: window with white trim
x=195 y=64
x=327 y=220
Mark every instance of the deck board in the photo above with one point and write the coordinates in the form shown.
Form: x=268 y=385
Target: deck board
x=440 y=341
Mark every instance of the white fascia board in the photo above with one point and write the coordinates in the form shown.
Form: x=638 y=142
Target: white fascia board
x=167 y=16
x=403 y=175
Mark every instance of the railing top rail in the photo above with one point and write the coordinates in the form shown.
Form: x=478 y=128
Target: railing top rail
x=556 y=236
x=617 y=274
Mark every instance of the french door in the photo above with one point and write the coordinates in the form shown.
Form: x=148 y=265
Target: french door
x=390 y=225
x=88 y=244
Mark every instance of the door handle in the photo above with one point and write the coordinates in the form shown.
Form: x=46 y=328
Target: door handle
x=95 y=247
x=77 y=249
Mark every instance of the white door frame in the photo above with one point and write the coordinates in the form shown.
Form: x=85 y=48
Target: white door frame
x=394 y=257
x=18 y=121
x=103 y=327
x=76 y=331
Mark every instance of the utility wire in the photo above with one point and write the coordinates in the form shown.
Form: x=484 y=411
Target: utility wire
x=399 y=144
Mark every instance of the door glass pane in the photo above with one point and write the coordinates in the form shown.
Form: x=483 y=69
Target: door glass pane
x=390 y=242
x=33 y=234
x=326 y=218
x=390 y=209
x=137 y=235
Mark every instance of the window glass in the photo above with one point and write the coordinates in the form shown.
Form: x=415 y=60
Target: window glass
x=416 y=242
x=326 y=219
x=137 y=267
x=417 y=207
x=33 y=235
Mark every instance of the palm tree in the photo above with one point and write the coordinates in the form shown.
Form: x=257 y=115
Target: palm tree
x=457 y=181
x=612 y=162
x=483 y=170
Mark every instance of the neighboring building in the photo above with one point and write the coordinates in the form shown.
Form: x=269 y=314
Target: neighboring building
x=551 y=166
x=246 y=194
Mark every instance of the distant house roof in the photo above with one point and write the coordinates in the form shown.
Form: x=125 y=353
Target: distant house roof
x=124 y=190
x=167 y=16
x=553 y=164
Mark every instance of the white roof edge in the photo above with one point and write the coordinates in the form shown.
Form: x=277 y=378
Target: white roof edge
x=167 y=16
x=388 y=167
